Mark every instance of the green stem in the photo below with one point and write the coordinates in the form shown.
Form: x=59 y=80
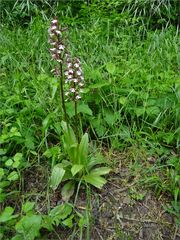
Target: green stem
x=62 y=93
x=76 y=119
x=88 y=207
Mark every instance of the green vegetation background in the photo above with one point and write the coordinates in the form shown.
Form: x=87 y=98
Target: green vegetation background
x=131 y=62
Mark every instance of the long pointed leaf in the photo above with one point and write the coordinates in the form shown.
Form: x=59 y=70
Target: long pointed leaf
x=76 y=168
x=95 y=180
x=101 y=170
x=83 y=149
x=57 y=176
x=67 y=190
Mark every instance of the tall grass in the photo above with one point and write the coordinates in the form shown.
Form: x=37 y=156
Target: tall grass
x=139 y=77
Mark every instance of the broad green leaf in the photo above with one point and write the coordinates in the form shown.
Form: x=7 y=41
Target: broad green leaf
x=53 y=151
x=29 y=226
x=67 y=175
x=70 y=109
x=151 y=111
x=123 y=100
x=14 y=132
x=70 y=142
x=7 y=215
x=1 y=172
x=67 y=190
x=60 y=212
x=101 y=170
x=2 y=151
x=68 y=222
x=84 y=108
x=2 y=197
x=17 y=237
x=69 y=136
x=83 y=221
x=95 y=160
x=125 y=133
x=13 y=176
x=47 y=121
x=66 y=163
x=95 y=180
x=47 y=223
x=29 y=142
x=139 y=111
x=4 y=184
x=54 y=87
x=110 y=117
x=57 y=176
x=28 y=206
x=111 y=67
x=76 y=168
x=18 y=157
x=16 y=164
x=98 y=124
x=83 y=149
x=9 y=163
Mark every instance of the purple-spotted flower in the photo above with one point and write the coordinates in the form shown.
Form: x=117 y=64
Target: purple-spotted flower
x=56 y=41
x=74 y=78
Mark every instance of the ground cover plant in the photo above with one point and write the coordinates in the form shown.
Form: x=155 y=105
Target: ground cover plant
x=56 y=143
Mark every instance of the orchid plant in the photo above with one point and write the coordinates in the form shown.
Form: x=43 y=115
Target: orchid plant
x=78 y=165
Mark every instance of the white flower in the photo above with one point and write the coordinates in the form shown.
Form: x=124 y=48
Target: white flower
x=81 y=84
x=75 y=80
x=53 y=28
x=53 y=43
x=58 y=32
x=54 y=21
x=82 y=78
x=68 y=60
x=78 y=97
x=61 y=47
x=67 y=56
x=69 y=64
x=52 y=49
x=79 y=73
x=76 y=65
x=66 y=93
x=70 y=71
x=69 y=77
x=66 y=73
x=77 y=60
x=59 y=51
x=73 y=90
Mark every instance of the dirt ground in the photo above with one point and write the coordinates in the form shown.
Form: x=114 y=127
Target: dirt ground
x=122 y=210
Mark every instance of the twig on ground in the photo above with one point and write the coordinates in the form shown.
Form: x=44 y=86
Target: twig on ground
x=123 y=189
x=140 y=220
x=101 y=237
x=175 y=233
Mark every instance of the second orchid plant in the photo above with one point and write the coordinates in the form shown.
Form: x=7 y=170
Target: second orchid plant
x=80 y=166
